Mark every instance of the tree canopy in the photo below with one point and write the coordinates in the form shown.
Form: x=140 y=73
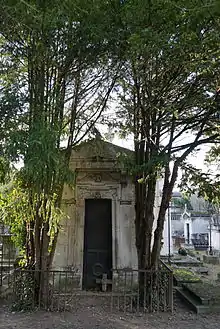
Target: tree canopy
x=166 y=92
x=63 y=64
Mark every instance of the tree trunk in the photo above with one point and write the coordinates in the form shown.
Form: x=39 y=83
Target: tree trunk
x=44 y=271
x=166 y=197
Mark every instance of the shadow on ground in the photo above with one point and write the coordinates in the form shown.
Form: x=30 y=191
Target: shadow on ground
x=91 y=315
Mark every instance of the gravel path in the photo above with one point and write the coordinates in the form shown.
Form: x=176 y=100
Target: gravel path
x=91 y=315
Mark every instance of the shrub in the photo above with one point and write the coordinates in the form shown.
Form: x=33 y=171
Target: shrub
x=182 y=251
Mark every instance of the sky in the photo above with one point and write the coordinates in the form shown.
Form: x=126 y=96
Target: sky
x=196 y=159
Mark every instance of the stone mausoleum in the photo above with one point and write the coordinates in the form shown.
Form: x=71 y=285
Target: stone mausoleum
x=98 y=234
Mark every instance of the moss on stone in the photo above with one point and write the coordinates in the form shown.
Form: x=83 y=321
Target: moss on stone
x=185 y=275
x=206 y=291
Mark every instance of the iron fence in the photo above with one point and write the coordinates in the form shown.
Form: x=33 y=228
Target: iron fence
x=50 y=290
x=7 y=257
x=142 y=291
x=129 y=290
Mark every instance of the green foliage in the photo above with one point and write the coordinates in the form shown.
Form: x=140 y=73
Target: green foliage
x=181 y=202
x=18 y=213
x=165 y=93
x=206 y=291
x=185 y=275
x=182 y=251
x=45 y=167
x=24 y=290
x=57 y=79
x=213 y=156
x=205 y=184
x=59 y=64
x=126 y=161
x=5 y=170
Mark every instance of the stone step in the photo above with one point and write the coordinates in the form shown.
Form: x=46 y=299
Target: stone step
x=186 y=262
x=194 y=303
x=186 y=297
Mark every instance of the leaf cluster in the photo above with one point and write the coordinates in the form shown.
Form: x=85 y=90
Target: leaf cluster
x=206 y=185
x=18 y=213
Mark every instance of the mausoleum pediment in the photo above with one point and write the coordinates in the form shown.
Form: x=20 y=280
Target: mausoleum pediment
x=97 y=153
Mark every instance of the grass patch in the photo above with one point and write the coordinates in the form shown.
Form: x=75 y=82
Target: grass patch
x=184 y=275
x=206 y=291
x=192 y=253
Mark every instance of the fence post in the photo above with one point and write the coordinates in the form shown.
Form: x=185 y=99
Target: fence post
x=171 y=291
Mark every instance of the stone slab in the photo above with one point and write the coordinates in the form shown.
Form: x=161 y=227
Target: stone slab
x=214 y=260
x=195 y=305
x=202 y=270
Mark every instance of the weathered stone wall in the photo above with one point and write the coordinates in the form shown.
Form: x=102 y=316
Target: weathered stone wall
x=215 y=238
x=97 y=176
x=69 y=251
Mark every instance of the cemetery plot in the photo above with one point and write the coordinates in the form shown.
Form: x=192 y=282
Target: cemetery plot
x=183 y=275
x=202 y=297
x=199 y=286
x=206 y=293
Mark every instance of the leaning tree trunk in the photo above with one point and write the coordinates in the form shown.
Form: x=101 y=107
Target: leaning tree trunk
x=144 y=218
x=166 y=197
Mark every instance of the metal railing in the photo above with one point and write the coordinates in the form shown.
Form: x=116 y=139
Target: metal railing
x=143 y=291
x=129 y=290
x=50 y=290
x=7 y=257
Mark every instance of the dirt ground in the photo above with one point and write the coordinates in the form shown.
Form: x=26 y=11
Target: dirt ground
x=92 y=315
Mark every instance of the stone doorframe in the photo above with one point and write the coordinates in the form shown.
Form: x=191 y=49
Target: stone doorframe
x=96 y=191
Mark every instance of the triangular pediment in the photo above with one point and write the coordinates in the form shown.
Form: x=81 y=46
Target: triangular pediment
x=99 y=150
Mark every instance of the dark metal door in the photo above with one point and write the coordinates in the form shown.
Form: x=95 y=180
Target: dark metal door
x=187 y=232
x=97 y=242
